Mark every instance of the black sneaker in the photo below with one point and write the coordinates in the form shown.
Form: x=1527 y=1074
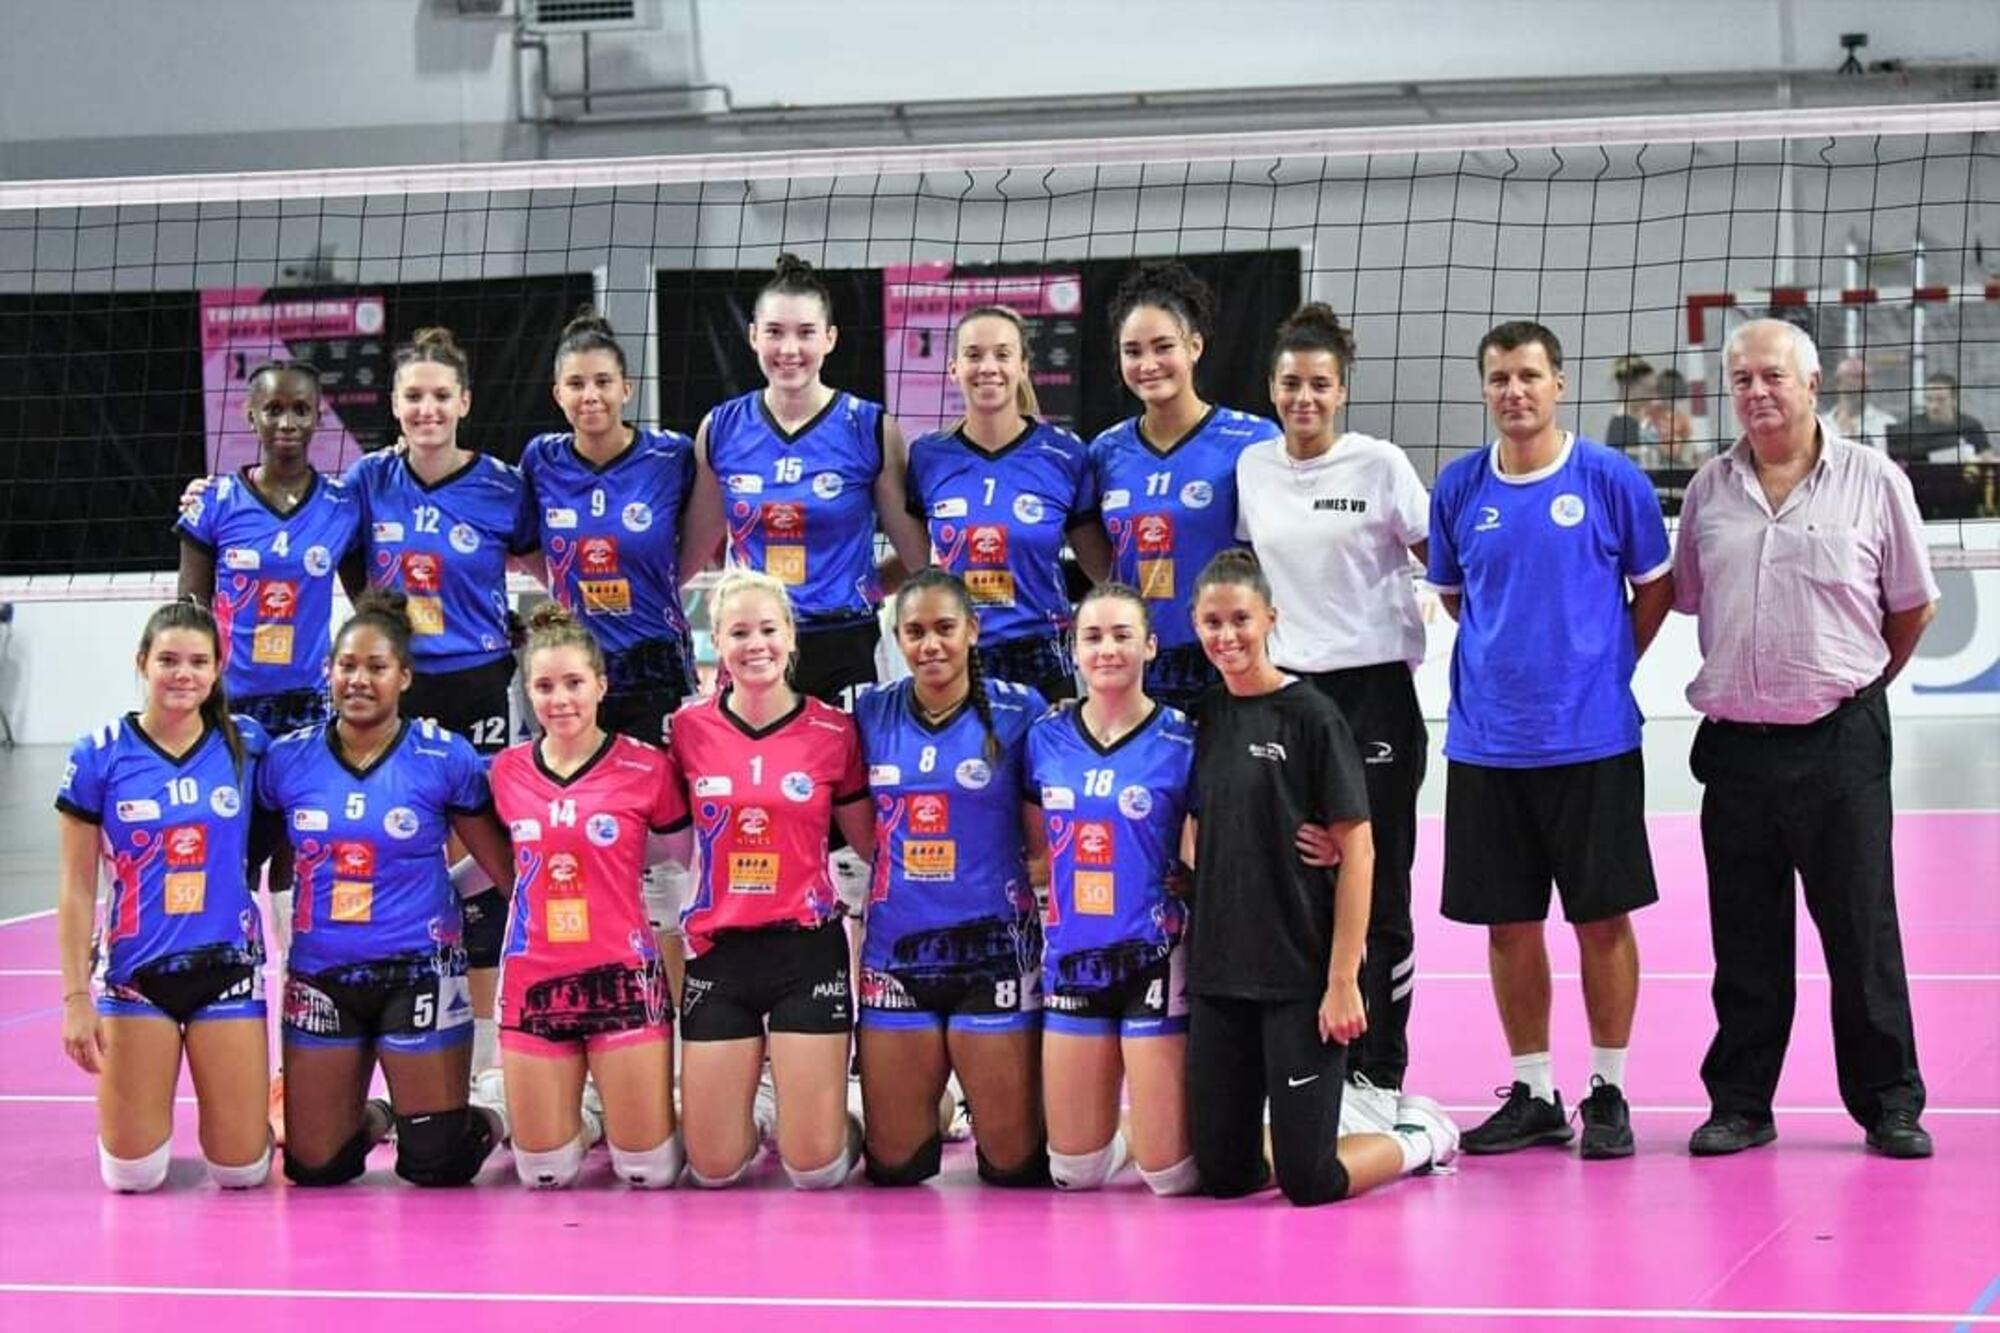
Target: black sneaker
x=1523 y=1121
x=1607 y=1122
x=1897 y=1134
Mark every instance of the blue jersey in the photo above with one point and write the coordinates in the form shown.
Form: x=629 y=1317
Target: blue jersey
x=1541 y=673
x=175 y=834
x=1113 y=817
x=368 y=847
x=801 y=504
x=948 y=848
x=1169 y=509
x=997 y=521
x=610 y=533
x=445 y=546
x=274 y=577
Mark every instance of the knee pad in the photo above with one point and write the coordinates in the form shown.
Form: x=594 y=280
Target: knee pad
x=1173 y=1181
x=485 y=919
x=556 y=1169
x=921 y=1166
x=723 y=1182
x=834 y=1174
x=1330 y=1187
x=343 y=1166
x=442 y=1148
x=664 y=888
x=1088 y=1170
x=246 y=1177
x=655 y=1169
x=134 y=1175
x=1031 y=1174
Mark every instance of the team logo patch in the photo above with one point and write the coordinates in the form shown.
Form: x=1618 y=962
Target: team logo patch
x=827 y=485
x=354 y=860
x=885 y=775
x=1093 y=842
x=601 y=829
x=713 y=786
x=1566 y=509
x=1116 y=499
x=746 y=483
x=225 y=801
x=559 y=520
x=1058 y=798
x=973 y=774
x=637 y=516
x=318 y=561
x=1154 y=533
x=187 y=846
x=241 y=557
x=400 y=822
x=463 y=539
x=388 y=532
x=597 y=556
x=930 y=813
x=305 y=820
x=421 y=573
x=1197 y=495
x=565 y=871
x=796 y=786
x=1135 y=802
x=525 y=830
x=1029 y=508
x=952 y=508
x=753 y=822
x=784 y=520
x=986 y=544
x=135 y=812
x=277 y=599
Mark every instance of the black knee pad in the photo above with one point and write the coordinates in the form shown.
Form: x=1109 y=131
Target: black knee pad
x=442 y=1148
x=1031 y=1174
x=921 y=1166
x=1219 y=1184
x=1329 y=1186
x=343 y=1166
x=485 y=918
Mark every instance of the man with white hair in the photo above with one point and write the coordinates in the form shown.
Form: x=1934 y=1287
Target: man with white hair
x=1803 y=556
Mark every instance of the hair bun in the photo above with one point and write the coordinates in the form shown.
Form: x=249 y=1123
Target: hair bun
x=383 y=602
x=587 y=319
x=549 y=615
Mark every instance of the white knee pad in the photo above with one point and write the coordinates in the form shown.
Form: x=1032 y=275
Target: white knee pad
x=553 y=1170
x=1087 y=1170
x=134 y=1175
x=834 y=1174
x=1180 y=1178
x=247 y=1177
x=665 y=888
x=850 y=879
x=655 y=1169
x=725 y=1181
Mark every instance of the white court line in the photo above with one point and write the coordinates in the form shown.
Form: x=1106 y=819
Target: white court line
x=27 y=916
x=968 y=1305
x=30 y=971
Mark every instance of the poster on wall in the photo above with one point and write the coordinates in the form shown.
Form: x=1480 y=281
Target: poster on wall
x=343 y=335
x=920 y=304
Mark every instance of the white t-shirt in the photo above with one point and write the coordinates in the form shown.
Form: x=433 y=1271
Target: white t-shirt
x=1333 y=534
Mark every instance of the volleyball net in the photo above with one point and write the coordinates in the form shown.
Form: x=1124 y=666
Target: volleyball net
x=131 y=310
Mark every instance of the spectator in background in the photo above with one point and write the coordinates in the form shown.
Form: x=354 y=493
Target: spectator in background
x=1851 y=415
x=1668 y=428
x=1632 y=381
x=1943 y=434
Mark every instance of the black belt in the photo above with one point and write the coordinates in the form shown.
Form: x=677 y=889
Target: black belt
x=1864 y=695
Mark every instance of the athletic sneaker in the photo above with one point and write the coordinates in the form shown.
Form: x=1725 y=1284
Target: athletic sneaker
x=1365 y=1108
x=1523 y=1121
x=593 y=1127
x=958 y=1126
x=1607 y=1122
x=1426 y=1117
x=489 y=1093
x=764 y=1109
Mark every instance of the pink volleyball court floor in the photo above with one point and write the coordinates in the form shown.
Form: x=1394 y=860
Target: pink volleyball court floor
x=1811 y=1233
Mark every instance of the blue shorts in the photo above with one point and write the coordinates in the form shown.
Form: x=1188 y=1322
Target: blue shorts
x=1150 y=1001
x=411 y=1004
x=201 y=985
x=988 y=1001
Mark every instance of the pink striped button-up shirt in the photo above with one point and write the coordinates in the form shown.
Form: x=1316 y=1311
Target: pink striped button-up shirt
x=1790 y=604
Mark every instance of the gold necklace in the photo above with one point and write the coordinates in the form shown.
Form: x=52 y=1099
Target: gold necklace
x=373 y=754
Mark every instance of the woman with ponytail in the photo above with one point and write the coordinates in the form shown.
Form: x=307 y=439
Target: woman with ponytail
x=951 y=960
x=174 y=960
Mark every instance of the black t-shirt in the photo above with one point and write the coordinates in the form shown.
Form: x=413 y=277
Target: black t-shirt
x=1262 y=926
x=1623 y=433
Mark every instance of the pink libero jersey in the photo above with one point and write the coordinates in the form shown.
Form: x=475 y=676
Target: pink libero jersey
x=579 y=852
x=762 y=801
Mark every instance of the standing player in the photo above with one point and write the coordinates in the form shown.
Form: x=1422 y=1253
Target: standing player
x=442 y=521
x=1334 y=517
x=951 y=961
x=1166 y=479
x=1112 y=778
x=1001 y=492
x=1534 y=539
x=1274 y=955
x=582 y=986
x=767 y=770
x=377 y=970
x=797 y=475
x=160 y=796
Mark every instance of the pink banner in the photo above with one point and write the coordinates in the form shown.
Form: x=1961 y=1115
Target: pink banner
x=342 y=335
x=921 y=302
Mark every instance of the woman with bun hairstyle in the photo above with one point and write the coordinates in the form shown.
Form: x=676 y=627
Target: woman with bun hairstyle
x=1334 y=517
x=377 y=969
x=583 y=989
x=1002 y=492
x=173 y=960
x=1166 y=479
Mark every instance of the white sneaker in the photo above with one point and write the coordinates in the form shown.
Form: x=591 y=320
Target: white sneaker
x=764 y=1110
x=489 y=1093
x=1428 y=1118
x=593 y=1100
x=593 y=1127
x=1365 y=1108
x=959 y=1127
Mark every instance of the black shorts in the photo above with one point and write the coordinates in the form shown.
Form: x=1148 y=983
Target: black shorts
x=648 y=681
x=836 y=660
x=1179 y=675
x=1094 y=994
x=580 y=1005
x=1508 y=832
x=472 y=702
x=789 y=980
x=218 y=981
x=1041 y=662
x=281 y=714
x=411 y=1003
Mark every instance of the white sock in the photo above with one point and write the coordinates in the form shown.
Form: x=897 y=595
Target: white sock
x=485 y=1044
x=245 y=1177
x=1538 y=1071
x=1087 y=1170
x=725 y=1181
x=1180 y=1178
x=1608 y=1063
x=1416 y=1146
